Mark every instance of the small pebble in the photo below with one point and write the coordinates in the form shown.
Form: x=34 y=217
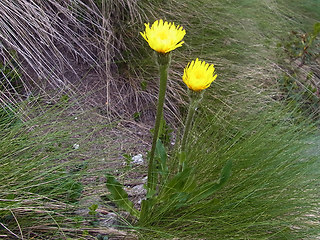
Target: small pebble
x=137 y=159
x=76 y=146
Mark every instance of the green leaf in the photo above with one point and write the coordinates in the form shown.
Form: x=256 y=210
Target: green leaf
x=136 y=116
x=162 y=156
x=208 y=189
x=92 y=209
x=316 y=29
x=225 y=173
x=176 y=192
x=160 y=150
x=182 y=157
x=120 y=196
x=146 y=210
x=150 y=192
x=144 y=85
x=178 y=182
x=128 y=160
x=182 y=182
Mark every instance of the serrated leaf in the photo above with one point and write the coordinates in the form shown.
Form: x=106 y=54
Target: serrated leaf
x=120 y=196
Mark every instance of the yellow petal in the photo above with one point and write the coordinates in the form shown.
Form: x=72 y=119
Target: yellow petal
x=198 y=75
x=163 y=37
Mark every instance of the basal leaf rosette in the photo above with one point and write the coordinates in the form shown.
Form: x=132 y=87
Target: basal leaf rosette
x=163 y=36
x=198 y=75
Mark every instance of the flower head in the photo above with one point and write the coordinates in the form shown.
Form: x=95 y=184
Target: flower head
x=198 y=75
x=163 y=37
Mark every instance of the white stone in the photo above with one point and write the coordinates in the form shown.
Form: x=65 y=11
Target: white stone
x=137 y=159
x=76 y=146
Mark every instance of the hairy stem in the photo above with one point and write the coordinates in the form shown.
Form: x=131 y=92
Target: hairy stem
x=163 y=60
x=195 y=99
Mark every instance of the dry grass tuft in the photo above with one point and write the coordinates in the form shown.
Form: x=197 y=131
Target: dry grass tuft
x=66 y=47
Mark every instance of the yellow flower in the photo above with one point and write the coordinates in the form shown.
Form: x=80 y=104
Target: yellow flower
x=163 y=37
x=199 y=75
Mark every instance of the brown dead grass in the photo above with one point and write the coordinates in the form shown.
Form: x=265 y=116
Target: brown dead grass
x=73 y=48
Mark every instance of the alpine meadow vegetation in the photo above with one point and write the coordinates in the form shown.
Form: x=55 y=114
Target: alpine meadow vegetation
x=162 y=119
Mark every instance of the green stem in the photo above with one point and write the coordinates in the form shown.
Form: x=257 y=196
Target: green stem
x=195 y=99
x=187 y=125
x=163 y=61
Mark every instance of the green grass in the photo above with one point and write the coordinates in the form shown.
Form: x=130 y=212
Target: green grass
x=44 y=179
x=35 y=172
x=273 y=188
x=272 y=193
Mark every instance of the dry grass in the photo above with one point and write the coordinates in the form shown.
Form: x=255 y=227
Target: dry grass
x=89 y=50
x=67 y=47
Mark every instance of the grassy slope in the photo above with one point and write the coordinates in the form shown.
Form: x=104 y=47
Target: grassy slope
x=33 y=183
x=273 y=186
x=45 y=180
x=275 y=158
